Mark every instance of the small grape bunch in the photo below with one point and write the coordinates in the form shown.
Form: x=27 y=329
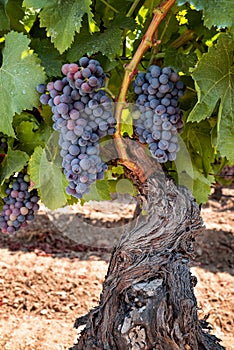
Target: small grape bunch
x=19 y=206
x=160 y=120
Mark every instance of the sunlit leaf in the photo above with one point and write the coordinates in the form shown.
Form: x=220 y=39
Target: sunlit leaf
x=19 y=75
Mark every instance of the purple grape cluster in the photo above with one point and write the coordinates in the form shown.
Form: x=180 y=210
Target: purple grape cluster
x=82 y=120
x=160 y=119
x=19 y=206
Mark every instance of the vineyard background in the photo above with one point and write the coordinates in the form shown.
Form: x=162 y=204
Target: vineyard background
x=48 y=280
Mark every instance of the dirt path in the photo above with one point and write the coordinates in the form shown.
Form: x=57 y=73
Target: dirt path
x=52 y=272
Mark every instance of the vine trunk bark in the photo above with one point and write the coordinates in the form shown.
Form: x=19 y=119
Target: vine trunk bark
x=148 y=298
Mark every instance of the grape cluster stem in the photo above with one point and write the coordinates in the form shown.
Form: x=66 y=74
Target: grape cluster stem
x=130 y=71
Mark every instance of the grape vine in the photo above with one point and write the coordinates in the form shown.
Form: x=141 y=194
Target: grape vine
x=82 y=111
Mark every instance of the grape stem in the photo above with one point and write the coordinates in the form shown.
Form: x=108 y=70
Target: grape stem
x=130 y=71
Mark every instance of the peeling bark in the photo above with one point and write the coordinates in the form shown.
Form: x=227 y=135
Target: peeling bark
x=147 y=300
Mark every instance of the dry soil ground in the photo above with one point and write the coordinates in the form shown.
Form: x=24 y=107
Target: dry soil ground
x=52 y=272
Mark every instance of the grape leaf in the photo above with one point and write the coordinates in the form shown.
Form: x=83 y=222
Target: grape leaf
x=19 y=75
x=37 y=4
x=48 y=178
x=225 y=136
x=201 y=186
x=50 y=58
x=15 y=12
x=199 y=144
x=179 y=60
x=214 y=79
x=103 y=189
x=108 y=43
x=51 y=184
x=4 y=19
x=34 y=165
x=117 y=170
x=126 y=122
x=52 y=149
x=190 y=176
x=99 y=191
x=188 y=169
x=31 y=135
x=92 y=195
x=216 y=13
x=62 y=20
x=13 y=162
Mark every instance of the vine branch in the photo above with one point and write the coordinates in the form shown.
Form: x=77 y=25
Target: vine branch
x=130 y=71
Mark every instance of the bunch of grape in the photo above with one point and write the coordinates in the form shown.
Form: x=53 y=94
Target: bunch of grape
x=19 y=204
x=82 y=118
x=160 y=118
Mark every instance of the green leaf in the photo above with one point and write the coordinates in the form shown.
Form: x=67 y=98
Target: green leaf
x=13 y=162
x=189 y=171
x=62 y=19
x=126 y=122
x=118 y=170
x=225 y=136
x=34 y=165
x=30 y=135
x=108 y=43
x=30 y=16
x=179 y=60
x=37 y=4
x=201 y=186
x=123 y=22
x=19 y=75
x=52 y=149
x=4 y=19
x=214 y=80
x=215 y=12
x=103 y=189
x=48 y=178
x=15 y=12
x=51 y=183
x=51 y=60
x=198 y=138
x=99 y=191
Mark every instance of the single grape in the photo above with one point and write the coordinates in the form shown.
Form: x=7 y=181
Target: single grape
x=163 y=78
x=44 y=99
x=163 y=145
x=86 y=72
x=74 y=150
x=84 y=61
x=155 y=71
x=62 y=108
x=41 y=88
x=85 y=164
x=160 y=109
x=58 y=85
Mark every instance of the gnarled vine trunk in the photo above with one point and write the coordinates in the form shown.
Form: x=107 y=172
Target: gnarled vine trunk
x=148 y=300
